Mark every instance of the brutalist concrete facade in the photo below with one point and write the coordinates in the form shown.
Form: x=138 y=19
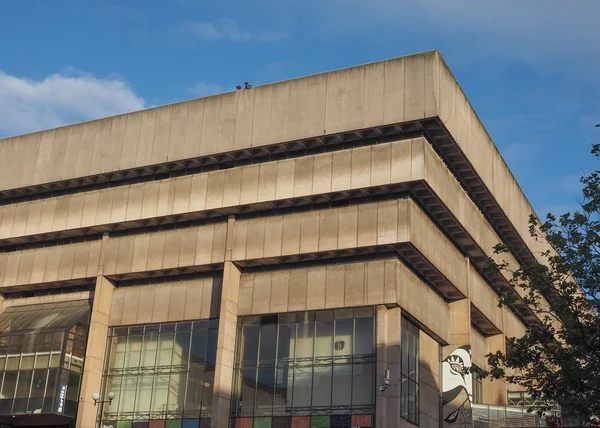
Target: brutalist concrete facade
x=375 y=186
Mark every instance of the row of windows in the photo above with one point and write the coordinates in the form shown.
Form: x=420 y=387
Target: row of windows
x=161 y=371
x=288 y=367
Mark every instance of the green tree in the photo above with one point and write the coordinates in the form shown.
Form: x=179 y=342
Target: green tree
x=558 y=359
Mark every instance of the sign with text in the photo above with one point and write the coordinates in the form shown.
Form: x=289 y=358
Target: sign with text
x=61 y=399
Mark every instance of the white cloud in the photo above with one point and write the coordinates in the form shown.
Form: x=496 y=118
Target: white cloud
x=31 y=105
x=226 y=29
x=205 y=89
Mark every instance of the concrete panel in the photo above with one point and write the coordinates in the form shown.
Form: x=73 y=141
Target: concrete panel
x=298 y=288
x=342 y=167
x=291 y=234
x=280 y=112
x=162 y=133
x=232 y=187
x=193 y=130
x=261 y=297
x=374 y=94
x=361 y=168
x=328 y=227
x=130 y=140
x=215 y=186
x=141 y=247
x=375 y=282
x=298 y=107
x=309 y=237
x=43 y=168
x=204 y=241
x=146 y=138
x=267 y=176
x=334 y=292
x=316 y=287
x=114 y=149
x=57 y=157
x=273 y=236
x=303 y=176
x=245 y=294
x=177 y=301
x=192 y=310
x=284 y=187
x=355 y=290
x=172 y=245
x=261 y=124
x=101 y=146
x=244 y=118
x=348 y=227
x=198 y=192
x=227 y=122
x=394 y=91
x=256 y=238
x=177 y=132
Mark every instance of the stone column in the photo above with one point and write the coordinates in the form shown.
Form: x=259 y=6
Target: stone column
x=91 y=380
x=228 y=312
x=387 y=403
x=94 y=355
x=495 y=390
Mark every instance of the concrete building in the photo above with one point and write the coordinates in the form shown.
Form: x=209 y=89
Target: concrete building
x=308 y=253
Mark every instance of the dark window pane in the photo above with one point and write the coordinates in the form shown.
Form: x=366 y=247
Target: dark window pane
x=51 y=391
x=23 y=387
x=149 y=350
x=362 y=384
x=342 y=385
x=198 y=349
x=404 y=352
x=209 y=379
x=8 y=392
x=128 y=389
x=322 y=386
x=363 y=341
x=181 y=350
x=160 y=393
x=250 y=345
x=302 y=386
x=404 y=397
x=324 y=339
x=38 y=387
x=286 y=341
x=342 y=345
x=143 y=396
x=412 y=357
x=133 y=352
x=165 y=349
x=413 y=401
x=283 y=391
x=264 y=391
x=193 y=395
x=248 y=393
x=176 y=394
x=268 y=343
x=305 y=340
x=211 y=347
x=112 y=384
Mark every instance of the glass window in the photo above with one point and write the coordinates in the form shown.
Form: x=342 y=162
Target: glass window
x=33 y=346
x=306 y=363
x=160 y=371
x=409 y=379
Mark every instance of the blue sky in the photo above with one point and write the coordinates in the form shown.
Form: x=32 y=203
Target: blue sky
x=530 y=68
